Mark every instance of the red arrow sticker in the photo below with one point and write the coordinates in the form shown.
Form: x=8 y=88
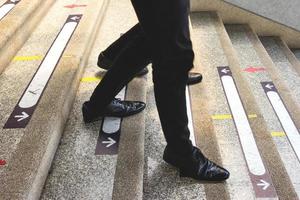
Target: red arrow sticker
x=2 y=162
x=254 y=69
x=74 y=6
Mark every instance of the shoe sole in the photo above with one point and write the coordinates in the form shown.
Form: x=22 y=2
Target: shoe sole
x=195 y=81
x=184 y=175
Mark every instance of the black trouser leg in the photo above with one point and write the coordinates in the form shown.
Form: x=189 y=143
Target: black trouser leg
x=166 y=27
x=113 y=50
x=124 y=68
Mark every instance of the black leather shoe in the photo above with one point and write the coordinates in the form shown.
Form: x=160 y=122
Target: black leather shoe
x=196 y=166
x=116 y=108
x=105 y=63
x=194 y=78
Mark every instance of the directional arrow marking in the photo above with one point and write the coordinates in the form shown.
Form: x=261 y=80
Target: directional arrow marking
x=190 y=116
x=36 y=87
x=225 y=71
x=253 y=159
x=284 y=117
x=263 y=184
x=110 y=142
x=22 y=117
x=7 y=7
x=269 y=86
x=74 y=6
x=254 y=69
x=75 y=18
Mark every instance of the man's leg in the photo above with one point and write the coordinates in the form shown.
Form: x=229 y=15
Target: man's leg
x=107 y=57
x=165 y=25
x=124 y=68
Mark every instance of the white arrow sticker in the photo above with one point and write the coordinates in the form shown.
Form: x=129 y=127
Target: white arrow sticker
x=269 y=86
x=22 y=117
x=41 y=78
x=263 y=184
x=109 y=143
x=225 y=71
x=250 y=149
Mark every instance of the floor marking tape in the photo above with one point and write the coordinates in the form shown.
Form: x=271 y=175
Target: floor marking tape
x=33 y=58
x=75 y=6
x=109 y=135
x=260 y=177
x=2 y=162
x=91 y=79
x=23 y=111
x=7 y=7
x=190 y=116
x=278 y=134
x=254 y=69
x=229 y=116
x=283 y=115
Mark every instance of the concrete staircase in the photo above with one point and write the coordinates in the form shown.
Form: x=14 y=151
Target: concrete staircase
x=244 y=116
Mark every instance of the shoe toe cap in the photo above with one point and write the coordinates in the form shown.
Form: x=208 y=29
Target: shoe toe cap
x=215 y=172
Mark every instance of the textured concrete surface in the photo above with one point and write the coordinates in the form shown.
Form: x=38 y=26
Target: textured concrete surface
x=248 y=58
x=233 y=15
x=16 y=27
x=29 y=151
x=284 y=12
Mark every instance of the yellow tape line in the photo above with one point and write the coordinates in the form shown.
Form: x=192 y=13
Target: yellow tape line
x=221 y=117
x=91 y=79
x=278 y=134
x=32 y=58
x=27 y=58
x=228 y=116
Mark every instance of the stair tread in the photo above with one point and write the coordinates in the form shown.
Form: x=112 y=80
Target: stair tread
x=75 y=166
x=29 y=151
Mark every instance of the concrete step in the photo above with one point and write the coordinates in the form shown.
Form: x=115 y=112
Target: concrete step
x=86 y=166
x=18 y=18
x=37 y=94
x=252 y=56
x=285 y=61
x=233 y=117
